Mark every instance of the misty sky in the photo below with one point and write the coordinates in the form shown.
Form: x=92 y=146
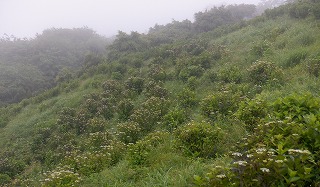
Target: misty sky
x=25 y=18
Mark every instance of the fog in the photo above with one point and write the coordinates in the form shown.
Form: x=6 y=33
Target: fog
x=25 y=18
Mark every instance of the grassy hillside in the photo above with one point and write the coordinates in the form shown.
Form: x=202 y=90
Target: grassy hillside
x=236 y=105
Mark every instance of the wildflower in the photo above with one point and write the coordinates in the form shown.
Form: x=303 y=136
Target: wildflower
x=279 y=161
x=261 y=150
x=249 y=155
x=221 y=176
x=237 y=154
x=265 y=170
x=241 y=163
x=292 y=151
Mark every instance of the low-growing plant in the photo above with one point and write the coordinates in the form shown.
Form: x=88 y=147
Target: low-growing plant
x=112 y=87
x=230 y=75
x=174 y=118
x=135 y=83
x=261 y=49
x=4 y=179
x=157 y=73
x=187 y=98
x=61 y=176
x=296 y=107
x=96 y=124
x=220 y=103
x=199 y=139
x=262 y=72
x=150 y=113
x=190 y=71
x=128 y=132
x=139 y=152
x=125 y=109
x=193 y=82
x=252 y=112
x=284 y=152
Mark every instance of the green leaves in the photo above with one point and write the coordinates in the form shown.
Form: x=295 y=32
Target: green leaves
x=199 y=139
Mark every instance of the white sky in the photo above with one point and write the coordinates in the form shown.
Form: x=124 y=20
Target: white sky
x=25 y=18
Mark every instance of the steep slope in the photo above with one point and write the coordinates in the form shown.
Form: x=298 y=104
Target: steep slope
x=235 y=105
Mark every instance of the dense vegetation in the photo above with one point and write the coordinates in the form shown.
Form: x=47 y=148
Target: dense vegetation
x=234 y=104
x=29 y=66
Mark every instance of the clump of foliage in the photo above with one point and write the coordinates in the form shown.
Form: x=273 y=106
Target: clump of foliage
x=199 y=139
x=150 y=113
x=128 y=132
x=61 y=177
x=174 y=118
x=138 y=153
x=187 y=98
x=252 y=112
x=220 y=104
x=230 y=75
x=284 y=152
x=263 y=72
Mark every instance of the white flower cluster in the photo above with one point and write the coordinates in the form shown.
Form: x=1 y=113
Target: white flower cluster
x=293 y=151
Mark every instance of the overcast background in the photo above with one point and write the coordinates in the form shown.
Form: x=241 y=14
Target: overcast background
x=25 y=18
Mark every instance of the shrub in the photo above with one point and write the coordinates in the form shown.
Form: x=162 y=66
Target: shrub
x=96 y=125
x=125 y=109
x=128 y=132
x=203 y=60
x=199 y=139
x=284 y=152
x=315 y=10
x=230 y=75
x=61 y=176
x=174 y=118
x=263 y=72
x=112 y=87
x=139 y=152
x=150 y=113
x=220 y=103
x=189 y=71
x=154 y=89
x=157 y=73
x=135 y=84
x=212 y=75
x=296 y=107
x=66 y=119
x=252 y=112
x=187 y=98
x=88 y=162
x=273 y=156
x=192 y=83
x=4 y=179
x=116 y=75
x=261 y=49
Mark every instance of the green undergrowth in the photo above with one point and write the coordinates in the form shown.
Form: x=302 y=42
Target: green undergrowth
x=233 y=109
